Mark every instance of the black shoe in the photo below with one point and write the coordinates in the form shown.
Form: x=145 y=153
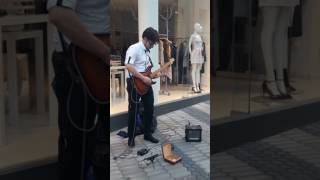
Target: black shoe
x=151 y=138
x=131 y=143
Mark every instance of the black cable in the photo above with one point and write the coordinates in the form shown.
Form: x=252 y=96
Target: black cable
x=136 y=108
x=84 y=130
x=74 y=79
x=123 y=155
x=85 y=110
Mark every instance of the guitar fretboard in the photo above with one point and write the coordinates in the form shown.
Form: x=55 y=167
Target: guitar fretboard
x=162 y=68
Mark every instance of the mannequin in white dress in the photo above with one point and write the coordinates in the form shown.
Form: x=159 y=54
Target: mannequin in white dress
x=277 y=16
x=196 y=57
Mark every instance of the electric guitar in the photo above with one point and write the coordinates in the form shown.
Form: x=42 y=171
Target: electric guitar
x=93 y=71
x=141 y=87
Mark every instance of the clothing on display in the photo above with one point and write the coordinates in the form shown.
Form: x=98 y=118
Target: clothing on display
x=179 y=71
x=174 y=65
x=165 y=55
x=167 y=49
x=295 y=30
x=204 y=57
x=161 y=53
x=183 y=63
x=184 y=55
x=197 y=49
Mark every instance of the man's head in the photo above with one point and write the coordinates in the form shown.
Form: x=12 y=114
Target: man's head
x=150 y=37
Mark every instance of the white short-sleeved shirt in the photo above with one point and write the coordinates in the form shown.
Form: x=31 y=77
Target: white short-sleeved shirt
x=138 y=56
x=94 y=14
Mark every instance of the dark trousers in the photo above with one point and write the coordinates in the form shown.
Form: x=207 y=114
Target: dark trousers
x=78 y=149
x=133 y=99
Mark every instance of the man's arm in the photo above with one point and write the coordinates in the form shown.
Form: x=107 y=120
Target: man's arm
x=67 y=22
x=135 y=73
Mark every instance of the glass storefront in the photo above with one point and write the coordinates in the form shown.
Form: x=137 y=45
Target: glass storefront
x=176 y=21
x=267 y=57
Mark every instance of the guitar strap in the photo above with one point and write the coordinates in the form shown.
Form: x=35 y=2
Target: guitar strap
x=68 y=55
x=62 y=41
x=149 y=67
x=67 y=52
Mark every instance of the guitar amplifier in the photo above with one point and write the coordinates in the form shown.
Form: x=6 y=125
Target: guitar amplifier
x=193 y=133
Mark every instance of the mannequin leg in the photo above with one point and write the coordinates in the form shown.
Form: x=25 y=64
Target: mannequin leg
x=198 y=76
x=193 y=76
x=281 y=47
x=289 y=87
x=288 y=12
x=269 y=15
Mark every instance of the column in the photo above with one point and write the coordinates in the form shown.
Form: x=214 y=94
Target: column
x=148 y=17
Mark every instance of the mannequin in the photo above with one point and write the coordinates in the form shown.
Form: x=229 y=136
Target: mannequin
x=277 y=16
x=196 y=57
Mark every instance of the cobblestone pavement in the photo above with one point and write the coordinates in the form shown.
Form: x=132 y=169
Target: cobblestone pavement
x=291 y=155
x=195 y=164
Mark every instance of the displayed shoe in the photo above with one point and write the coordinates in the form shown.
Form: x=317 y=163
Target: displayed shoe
x=272 y=93
x=151 y=138
x=194 y=90
x=283 y=90
x=168 y=155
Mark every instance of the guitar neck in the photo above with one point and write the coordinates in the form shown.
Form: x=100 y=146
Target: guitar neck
x=160 y=69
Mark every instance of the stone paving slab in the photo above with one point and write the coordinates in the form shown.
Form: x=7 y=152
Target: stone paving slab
x=292 y=155
x=195 y=164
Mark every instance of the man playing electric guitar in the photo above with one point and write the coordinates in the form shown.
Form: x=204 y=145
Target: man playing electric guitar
x=138 y=61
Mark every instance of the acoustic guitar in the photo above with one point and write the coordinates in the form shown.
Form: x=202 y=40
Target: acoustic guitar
x=141 y=87
x=93 y=71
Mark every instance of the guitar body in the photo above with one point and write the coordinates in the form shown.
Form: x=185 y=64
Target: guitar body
x=140 y=86
x=93 y=72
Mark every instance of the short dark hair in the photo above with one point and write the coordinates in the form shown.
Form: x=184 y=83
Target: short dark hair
x=151 y=34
